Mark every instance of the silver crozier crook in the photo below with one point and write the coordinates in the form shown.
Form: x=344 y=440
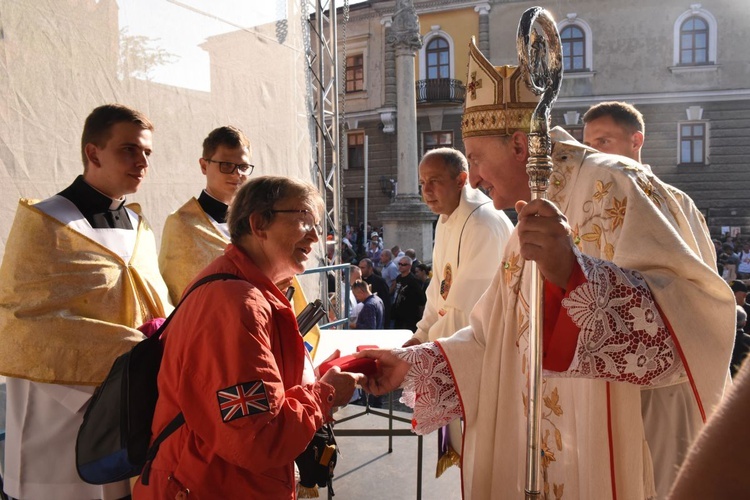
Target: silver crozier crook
x=540 y=57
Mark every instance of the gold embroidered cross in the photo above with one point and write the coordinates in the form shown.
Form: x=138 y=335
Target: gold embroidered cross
x=474 y=84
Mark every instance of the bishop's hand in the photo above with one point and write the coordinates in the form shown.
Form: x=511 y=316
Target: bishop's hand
x=545 y=238
x=391 y=371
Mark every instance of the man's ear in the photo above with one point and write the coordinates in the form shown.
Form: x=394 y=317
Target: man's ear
x=637 y=140
x=462 y=177
x=92 y=154
x=520 y=142
x=204 y=165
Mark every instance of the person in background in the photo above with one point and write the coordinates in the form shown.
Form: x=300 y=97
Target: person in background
x=469 y=241
x=412 y=254
x=389 y=269
x=348 y=256
x=196 y=233
x=422 y=273
x=618 y=128
x=370 y=316
x=377 y=285
x=79 y=275
x=234 y=362
x=408 y=297
x=373 y=251
x=741 y=342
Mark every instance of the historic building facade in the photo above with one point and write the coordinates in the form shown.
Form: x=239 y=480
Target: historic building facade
x=682 y=64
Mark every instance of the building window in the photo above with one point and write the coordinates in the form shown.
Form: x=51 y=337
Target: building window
x=355 y=144
x=574 y=48
x=693 y=143
x=434 y=140
x=577 y=46
x=694 y=41
x=355 y=73
x=438 y=58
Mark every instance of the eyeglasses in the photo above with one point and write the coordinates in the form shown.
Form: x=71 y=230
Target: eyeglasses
x=227 y=167
x=308 y=220
x=403 y=264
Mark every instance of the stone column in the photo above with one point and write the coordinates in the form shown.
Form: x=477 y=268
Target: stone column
x=483 y=9
x=388 y=113
x=408 y=221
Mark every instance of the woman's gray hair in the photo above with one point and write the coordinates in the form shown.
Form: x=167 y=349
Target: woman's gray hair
x=260 y=195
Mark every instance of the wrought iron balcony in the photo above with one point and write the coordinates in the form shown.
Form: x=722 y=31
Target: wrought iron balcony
x=440 y=91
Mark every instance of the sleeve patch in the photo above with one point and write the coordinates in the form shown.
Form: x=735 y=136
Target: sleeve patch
x=242 y=400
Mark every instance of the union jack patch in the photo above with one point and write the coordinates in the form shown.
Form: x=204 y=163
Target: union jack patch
x=242 y=400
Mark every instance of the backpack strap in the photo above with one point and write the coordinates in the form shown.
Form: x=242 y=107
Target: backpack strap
x=177 y=421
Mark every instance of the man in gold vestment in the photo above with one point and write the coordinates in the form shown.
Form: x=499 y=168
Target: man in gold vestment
x=197 y=233
x=78 y=276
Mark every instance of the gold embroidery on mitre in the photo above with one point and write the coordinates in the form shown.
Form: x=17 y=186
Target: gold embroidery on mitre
x=498 y=101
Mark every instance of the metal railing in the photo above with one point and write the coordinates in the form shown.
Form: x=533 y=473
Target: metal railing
x=440 y=90
x=344 y=268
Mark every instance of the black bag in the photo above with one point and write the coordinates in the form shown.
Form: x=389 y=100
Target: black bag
x=113 y=440
x=317 y=462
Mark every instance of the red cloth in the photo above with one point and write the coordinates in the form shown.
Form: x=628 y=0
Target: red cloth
x=229 y=334
x=560 y=335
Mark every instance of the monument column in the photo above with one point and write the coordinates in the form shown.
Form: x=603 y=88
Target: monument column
x=483 y=9
x=407 y=221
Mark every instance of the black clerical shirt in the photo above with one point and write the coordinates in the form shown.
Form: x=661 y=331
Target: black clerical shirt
x=100 y=210
x=213 y=207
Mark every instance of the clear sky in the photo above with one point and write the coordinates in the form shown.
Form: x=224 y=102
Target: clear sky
x=180 y=26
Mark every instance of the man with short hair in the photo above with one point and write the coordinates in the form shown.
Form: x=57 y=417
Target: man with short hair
x=469 y=242
x=388 y=268
x=197 y=233
x=370 y=316
x=377 y=285
x=629 y=301
x=412 y=254
x=79 y=275
x=614 y=128
x=618 y=128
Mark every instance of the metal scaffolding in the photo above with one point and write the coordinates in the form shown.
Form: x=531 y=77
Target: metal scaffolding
x=324 y=77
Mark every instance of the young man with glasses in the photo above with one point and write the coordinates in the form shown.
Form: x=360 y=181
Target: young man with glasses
x=197 y=232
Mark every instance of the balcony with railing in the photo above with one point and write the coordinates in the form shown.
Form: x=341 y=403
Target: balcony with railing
x=440 y=91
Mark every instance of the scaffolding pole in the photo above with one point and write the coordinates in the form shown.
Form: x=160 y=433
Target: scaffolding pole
x=323 y=75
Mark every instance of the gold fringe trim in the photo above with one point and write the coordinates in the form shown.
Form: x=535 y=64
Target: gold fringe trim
x=305 y=492
x=448 y=459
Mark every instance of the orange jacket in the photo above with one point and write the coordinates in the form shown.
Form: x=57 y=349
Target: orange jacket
x=233 y=362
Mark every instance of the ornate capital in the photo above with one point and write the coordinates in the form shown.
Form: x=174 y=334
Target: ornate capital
x=483 y=9
x=389 y=121
x=405 y=29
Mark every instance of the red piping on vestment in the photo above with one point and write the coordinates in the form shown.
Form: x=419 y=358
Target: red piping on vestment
x=684 y=362
x=611 y=446
x=463 y=412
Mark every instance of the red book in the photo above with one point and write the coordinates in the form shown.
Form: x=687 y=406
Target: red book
x=365 y=366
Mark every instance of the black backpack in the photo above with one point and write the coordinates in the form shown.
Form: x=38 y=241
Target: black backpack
x=113 y=440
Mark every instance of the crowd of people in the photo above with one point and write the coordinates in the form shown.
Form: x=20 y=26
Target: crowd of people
x=637 y=301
